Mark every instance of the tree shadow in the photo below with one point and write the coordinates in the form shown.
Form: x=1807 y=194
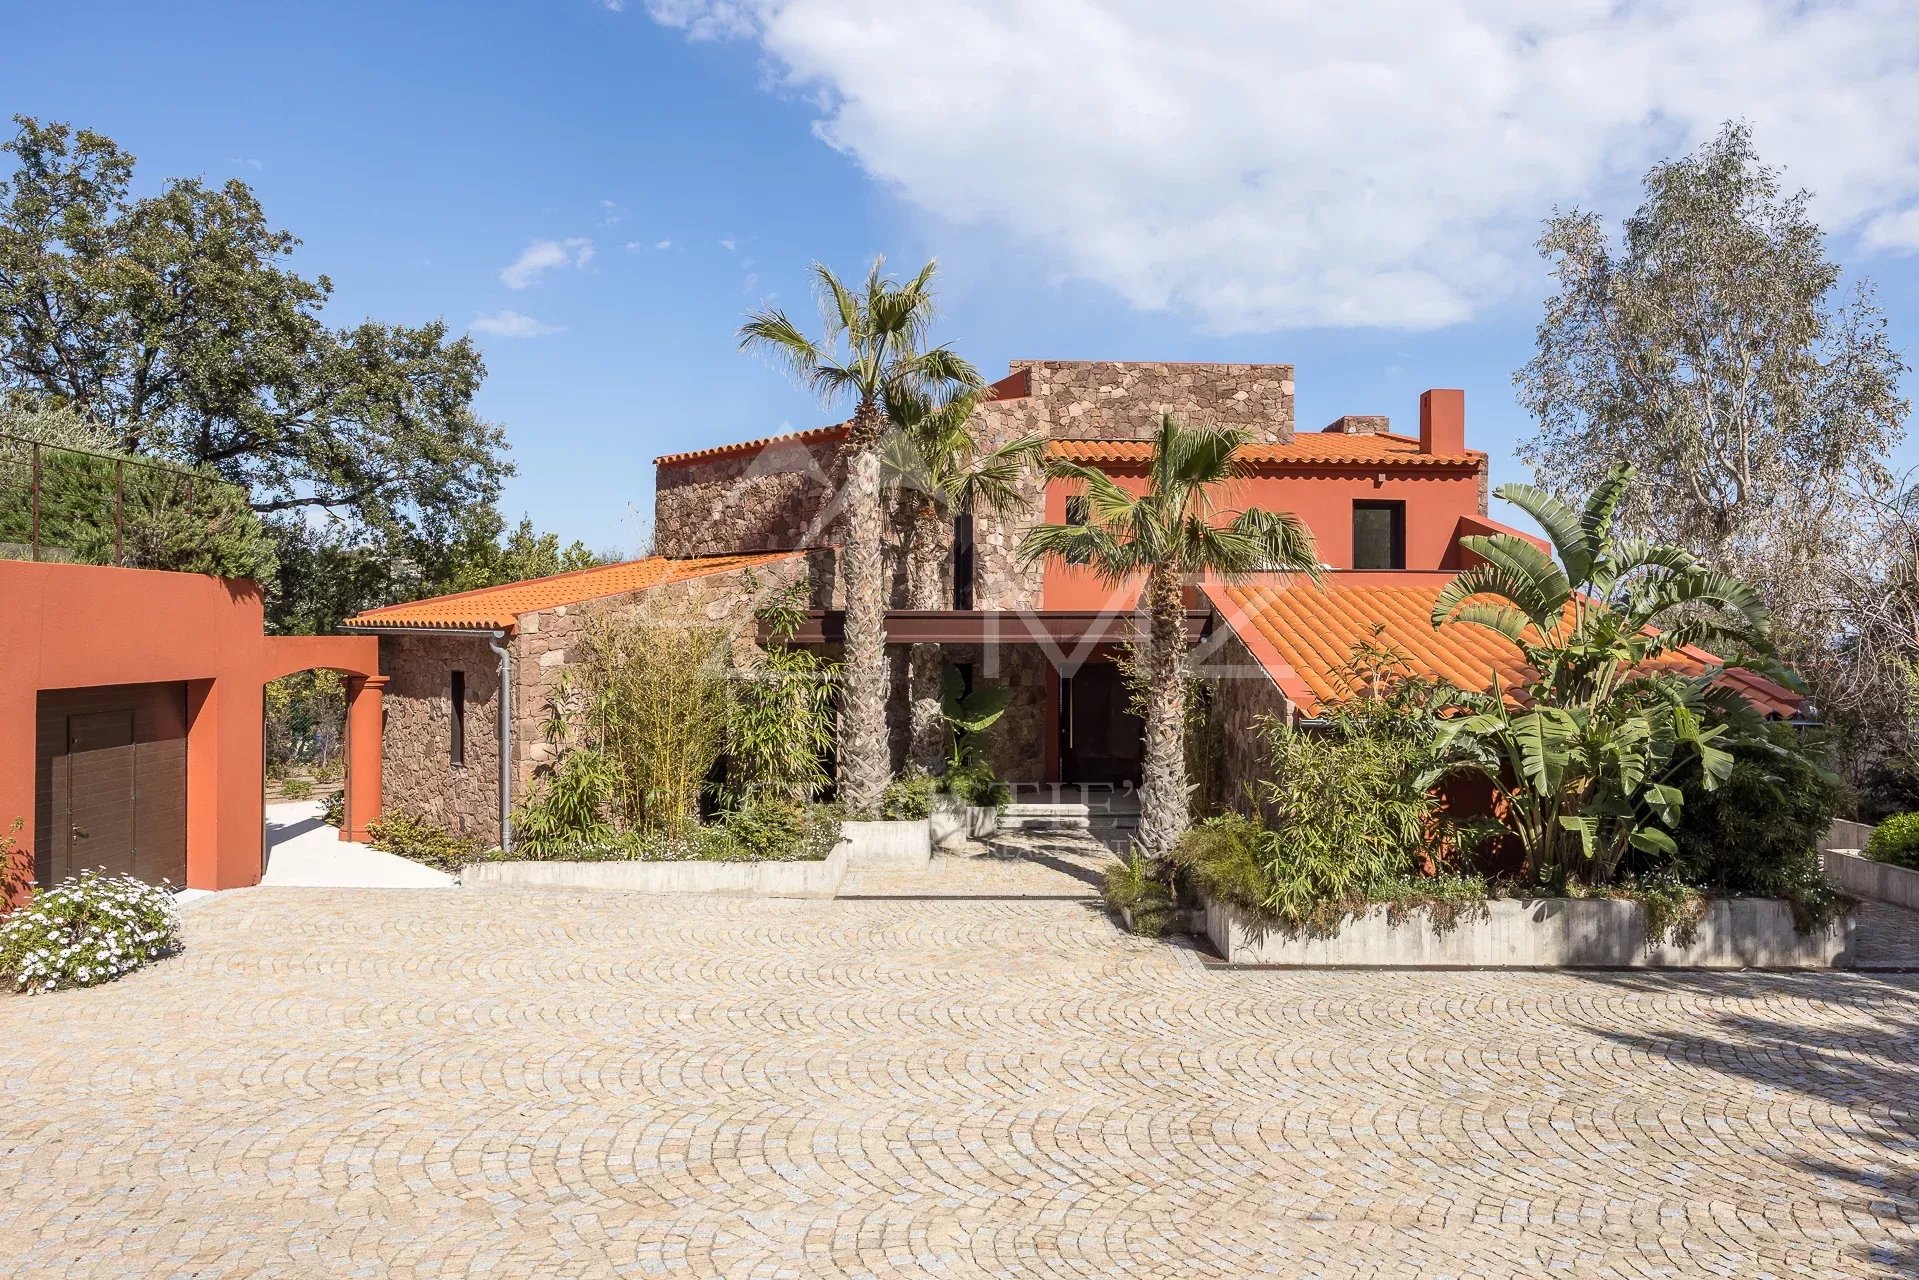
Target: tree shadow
x=1866 y=1064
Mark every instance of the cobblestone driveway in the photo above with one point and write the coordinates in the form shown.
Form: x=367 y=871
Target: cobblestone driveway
x=518 y=1083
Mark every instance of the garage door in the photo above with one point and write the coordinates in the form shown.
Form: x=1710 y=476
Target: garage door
x=111 y=782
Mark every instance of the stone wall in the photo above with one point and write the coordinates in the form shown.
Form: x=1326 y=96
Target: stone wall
x=1019 y=738
x=1242 y=694
x=785 y=494
x=776 y=498
x=417 y=773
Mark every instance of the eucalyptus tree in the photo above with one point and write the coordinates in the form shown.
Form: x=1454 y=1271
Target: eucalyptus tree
x=1163 y=538
x=1589 y=755
x=871 y=351
x=936 y=466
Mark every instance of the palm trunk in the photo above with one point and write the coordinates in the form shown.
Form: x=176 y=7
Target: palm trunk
x=1163 y=800
x=925 y=584
x=864 y=762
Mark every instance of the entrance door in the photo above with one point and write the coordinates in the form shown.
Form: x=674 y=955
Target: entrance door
x=1102 y=741
x=111 y=784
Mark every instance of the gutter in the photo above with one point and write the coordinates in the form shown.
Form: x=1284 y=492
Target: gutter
x=493 y=636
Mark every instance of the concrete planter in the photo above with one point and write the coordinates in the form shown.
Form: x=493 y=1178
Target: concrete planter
x=820 y=879
x=1868 y=879
x=1574 y=933
x=956 y=823
x=888 y=846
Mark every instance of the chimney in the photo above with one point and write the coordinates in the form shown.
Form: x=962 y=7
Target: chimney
x=1442 y=422
x=1359 y=424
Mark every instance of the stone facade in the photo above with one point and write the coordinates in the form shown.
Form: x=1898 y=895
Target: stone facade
x=775 y=498
x=785 y=493
x=1242 y=695
x=418 y=773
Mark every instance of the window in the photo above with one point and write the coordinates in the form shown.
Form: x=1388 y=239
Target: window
x=1077 y=512
x=1379 y=535
x=963 y=560
x=456 y=697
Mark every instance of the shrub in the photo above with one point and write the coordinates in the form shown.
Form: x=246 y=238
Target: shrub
x=408 y=834
x=1221 y=857
x=333 y=809
x=1896 y=840
x=974 y=782
x=87 y=930
x=656 y=704
x=768 y=829
x=570 y=807
x=909 y=797
x=297 y=789
x=780 y=727
x=1136 y=885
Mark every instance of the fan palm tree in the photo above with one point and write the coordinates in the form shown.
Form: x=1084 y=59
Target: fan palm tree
x=935 y=466
x=1588 y=756
x=871 y=352
x=1171 y=533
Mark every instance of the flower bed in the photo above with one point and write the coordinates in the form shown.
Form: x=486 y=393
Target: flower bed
x=1606 y=933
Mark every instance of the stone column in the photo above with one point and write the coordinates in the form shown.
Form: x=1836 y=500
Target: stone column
x=364 y=732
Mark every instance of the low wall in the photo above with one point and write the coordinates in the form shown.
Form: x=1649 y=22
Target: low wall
x=963 y=822
x=819 y=879
x=1877 y=880
x=1598 y=933
x=888 y=846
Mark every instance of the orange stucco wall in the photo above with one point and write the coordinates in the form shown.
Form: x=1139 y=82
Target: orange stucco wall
x=1436 y=499
x=75 y=626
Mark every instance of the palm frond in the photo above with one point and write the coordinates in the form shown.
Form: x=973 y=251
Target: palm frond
x=1109 y=558
x=838 y=307
x=773 y=334
x=1561 y=523
x=1285 y=544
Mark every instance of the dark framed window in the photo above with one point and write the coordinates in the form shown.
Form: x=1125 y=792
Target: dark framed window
x=456 y=699
x=1077 y=512
x=963 y=560
x=1379 y=535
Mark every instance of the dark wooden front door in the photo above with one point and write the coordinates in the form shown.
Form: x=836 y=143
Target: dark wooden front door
x=1102 y=742
x=111 y=784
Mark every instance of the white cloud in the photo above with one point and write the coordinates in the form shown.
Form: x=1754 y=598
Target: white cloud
x=662 y=244
x=1265 y=166
x=726 y=243
x=543 y=256
x=513 y=324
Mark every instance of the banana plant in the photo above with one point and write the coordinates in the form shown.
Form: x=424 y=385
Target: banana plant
x=969 y=715
x=1587 y=756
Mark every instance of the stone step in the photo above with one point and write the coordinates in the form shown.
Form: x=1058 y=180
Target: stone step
x=1043 y=817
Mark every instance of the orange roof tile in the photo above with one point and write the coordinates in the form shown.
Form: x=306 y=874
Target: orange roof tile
x=501 y=607
x=813 y=435
x=1306 y=449
x=1304 y=633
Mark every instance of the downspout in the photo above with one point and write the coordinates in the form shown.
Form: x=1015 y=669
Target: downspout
x=506 y=739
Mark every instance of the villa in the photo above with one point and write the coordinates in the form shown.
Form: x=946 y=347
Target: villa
x=736 y=523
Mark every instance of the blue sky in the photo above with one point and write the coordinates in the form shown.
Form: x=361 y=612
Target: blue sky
x=1096 y=183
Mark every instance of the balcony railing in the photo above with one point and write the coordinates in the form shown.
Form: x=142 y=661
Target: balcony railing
x=77 y=506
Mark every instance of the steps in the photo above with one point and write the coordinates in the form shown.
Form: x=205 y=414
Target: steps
x=1044 y=817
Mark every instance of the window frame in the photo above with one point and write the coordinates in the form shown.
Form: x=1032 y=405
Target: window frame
x=1396 y=534
x=456 y=727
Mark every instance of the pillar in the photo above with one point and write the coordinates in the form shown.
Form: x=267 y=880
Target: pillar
x=365 y=729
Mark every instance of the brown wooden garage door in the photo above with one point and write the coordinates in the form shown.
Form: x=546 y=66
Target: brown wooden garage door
x=111 y=782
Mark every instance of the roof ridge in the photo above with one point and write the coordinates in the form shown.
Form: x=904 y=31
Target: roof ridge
x=504 y=586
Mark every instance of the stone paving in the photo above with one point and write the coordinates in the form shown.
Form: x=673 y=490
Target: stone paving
x=509 y=1083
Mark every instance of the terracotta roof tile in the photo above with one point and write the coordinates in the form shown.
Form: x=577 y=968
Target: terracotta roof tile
x=1306 y=449
x=813 y=435
x=1304 y=634
x=501 y=607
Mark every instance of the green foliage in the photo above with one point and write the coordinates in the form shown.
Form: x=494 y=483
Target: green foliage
x=306 y=723
x=655 y=703
x=1135 y=885
x=85 y=931
x=970 y=716
x=100 y=508
x=973 y=782
x=410 y=835
x=333 y=809
x=780 y=728
x=297 y=788
x=1896 y=840
x=173 y=321
x=1591 y=755
x=909 y=797
x=1222 y=858
x=569 y=807
x=478 y=557
x=763 y=829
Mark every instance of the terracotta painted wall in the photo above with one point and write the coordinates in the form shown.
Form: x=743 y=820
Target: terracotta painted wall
x=74 y=626
x=1436 y=500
